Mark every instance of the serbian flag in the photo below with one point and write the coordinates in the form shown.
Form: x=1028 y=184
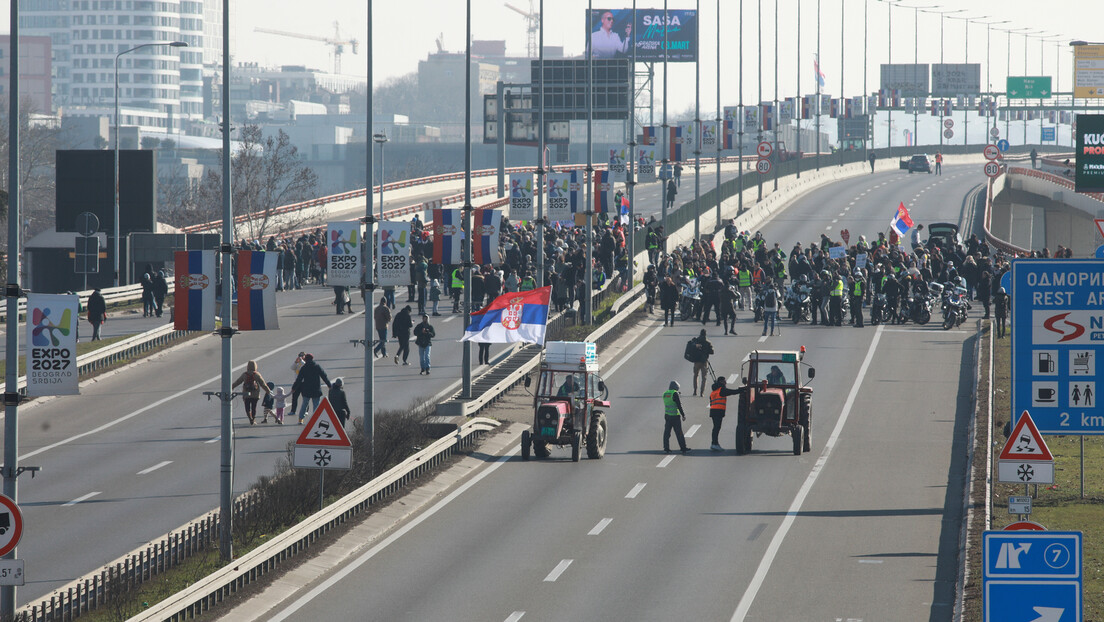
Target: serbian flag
x=601 y=192
x=446 y=236
x=194 y=306
x=675 y=144
x=728 y=133
x=512 y=317
x=624 y=210
x=834 y=109
x=257 y=290
x=901 y=222
x=817 y=72
x=766 y=115
x=806 y=105
x=648 y=135
x=485 y=225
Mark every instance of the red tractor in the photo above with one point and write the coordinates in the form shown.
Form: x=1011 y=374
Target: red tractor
x=775 y=402
x=569 y=403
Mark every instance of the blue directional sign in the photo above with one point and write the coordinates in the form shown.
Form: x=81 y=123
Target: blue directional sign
x=1057 y=337
x=1100 y=252
x=1003 y=145
x=1029 y=576
x=1047 y=134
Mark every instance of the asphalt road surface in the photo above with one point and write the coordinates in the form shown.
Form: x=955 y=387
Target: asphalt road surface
x=865 y=527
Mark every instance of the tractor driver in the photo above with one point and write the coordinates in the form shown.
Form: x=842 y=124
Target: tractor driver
x=776 y=376
x=570 y=388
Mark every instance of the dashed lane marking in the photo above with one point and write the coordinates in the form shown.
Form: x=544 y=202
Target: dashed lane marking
x=693 y=429
x=664 y=462
x=155 y=467
x=602 y=524
x=515 y=616
x=79 y=499
x=558 y=570
x=636 y=490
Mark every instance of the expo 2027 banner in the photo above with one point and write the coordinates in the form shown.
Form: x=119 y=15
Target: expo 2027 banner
x=52 y=344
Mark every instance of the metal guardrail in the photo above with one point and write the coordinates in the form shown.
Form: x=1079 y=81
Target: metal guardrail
x=254 y=565
x=992 y=239
x=124 y=294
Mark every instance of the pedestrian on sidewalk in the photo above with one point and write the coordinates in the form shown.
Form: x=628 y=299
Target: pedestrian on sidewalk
x=401 y=329
x=339 y=402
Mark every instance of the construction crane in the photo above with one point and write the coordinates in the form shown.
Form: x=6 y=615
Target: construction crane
x=533 y=20
x=336 y=42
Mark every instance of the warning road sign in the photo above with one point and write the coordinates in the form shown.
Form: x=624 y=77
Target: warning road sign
x=1099 y=226
x=1025 y=459
x=323 y=443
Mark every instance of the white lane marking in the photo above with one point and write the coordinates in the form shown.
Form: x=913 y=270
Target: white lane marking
x=870 y=561
x=632 y=353
x=835 y=220
x=636 y=490
x=842 y=214
x=372 y=552
x=602 y=524
x=515 y=616
x=762 y=339
x=213 y=440
x=449 y=319
x=664 y=462
x=791 y=514
x=155 y=467
x=79 y=499
x=828 y=228
x=692 y=430
x=178 y=394
x=558 y=570
x=921 y=331
x=732 y=379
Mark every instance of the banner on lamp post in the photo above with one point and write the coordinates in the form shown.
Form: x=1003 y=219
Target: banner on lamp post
x=343 y=265
x=393 y=244
x=52 y=344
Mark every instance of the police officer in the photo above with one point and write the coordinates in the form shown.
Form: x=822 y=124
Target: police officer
x=457 y=288
x=711 y=297
x=858 y=292
x=835 y=301
x=672 y=410
x=718 y=402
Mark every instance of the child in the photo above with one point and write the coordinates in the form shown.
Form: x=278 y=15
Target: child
x=339 y=402
x=279 y=401
x=435 y=295
x=267 y=402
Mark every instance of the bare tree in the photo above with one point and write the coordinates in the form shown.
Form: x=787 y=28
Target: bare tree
x=37 y=180
x=266 y=174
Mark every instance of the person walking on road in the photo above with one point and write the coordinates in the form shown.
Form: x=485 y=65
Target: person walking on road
x=698 y=351
x=938 y=163
x=718 y=402
x=1000 y=309
x=423 y=338
x=383 y=319
x=97 y=312
x=1034 y=158
x=401 y=329
x=252 y=383
x=339 y=402
x=672 y=411
x=308 y=384
x=672 y=190
x=872 y=158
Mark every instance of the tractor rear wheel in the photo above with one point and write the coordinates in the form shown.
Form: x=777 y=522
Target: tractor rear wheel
x=596 y=438
x=806 y=421
x=743 y=439
x=576 y=441
x=526 y=438
x=797 y=434
x=540 y=448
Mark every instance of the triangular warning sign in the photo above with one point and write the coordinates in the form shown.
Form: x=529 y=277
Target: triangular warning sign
x=324 y=429
x=1026 y=443
x=1099 y=225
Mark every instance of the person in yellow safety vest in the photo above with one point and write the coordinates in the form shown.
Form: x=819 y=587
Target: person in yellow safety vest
x=457 y=288
x=858 y=290
x=835 y=302
x=672 y=410
x=528 y=283
x=717 y=403
x=738 y=244
x=743 y=281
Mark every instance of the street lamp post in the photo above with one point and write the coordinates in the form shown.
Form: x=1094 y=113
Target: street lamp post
x=1008 y=74
x=381 y=140
x=115 y=231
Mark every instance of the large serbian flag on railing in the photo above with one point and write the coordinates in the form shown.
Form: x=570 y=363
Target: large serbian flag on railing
x=512 y=317
x=446 y=236
x=901 y=222
x=194 y=301
x=486 y=224
x=257 y=291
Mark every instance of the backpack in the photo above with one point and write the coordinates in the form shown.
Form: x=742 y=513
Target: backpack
x=772 y=298
x=693 y=351
x=250 y=384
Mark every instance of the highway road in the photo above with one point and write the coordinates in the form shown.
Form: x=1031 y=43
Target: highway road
x=865 y=527
x=137 y=453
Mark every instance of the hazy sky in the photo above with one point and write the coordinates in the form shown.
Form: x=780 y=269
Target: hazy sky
x=405 y=32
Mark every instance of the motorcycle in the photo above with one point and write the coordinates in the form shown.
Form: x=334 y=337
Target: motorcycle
x=758 y=302
x=690 y=303
x=798 y=302
x=916 y=307
x=954 y=308
x=878 y=311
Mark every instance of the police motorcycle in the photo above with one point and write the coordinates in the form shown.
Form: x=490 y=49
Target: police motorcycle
x=798 y=299
x=878 y=310
x=955 y=305
x=690 y=301
x=916 y=306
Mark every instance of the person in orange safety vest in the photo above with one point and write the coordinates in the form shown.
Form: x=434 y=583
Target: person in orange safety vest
x=717 y=404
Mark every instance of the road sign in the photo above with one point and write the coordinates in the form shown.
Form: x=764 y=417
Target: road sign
x=1088 y=71
x=11 y=572
x=1028 y=87
x=1019 y=505
x=323 y=443
x=1033 y=576
x=1056 y=339
x=1026 y=459
x=1100 y=252
x=1003 y=145
x=764 y=149
x=11 y=525
x=994 y=132
x=948 y=133
x=948 y=123
x=1047 y=134
x=1025 y=525
x=991 y=152
x=1099 y=225
x=763 y=166
x=992 y=169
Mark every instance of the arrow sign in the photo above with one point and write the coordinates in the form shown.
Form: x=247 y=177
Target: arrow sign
x=1048 y=614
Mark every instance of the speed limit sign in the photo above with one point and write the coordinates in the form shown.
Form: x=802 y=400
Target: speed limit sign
x=763 y=166
x=992 y=169
x=948 y=133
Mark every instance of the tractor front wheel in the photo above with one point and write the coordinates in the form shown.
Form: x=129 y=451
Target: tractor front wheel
x=596 y=438
x=526 y=438
x=576 y=442
x=797 y=434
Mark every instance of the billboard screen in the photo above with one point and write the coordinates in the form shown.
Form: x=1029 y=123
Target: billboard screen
x=612 y=34
x=1088 y=71
x=949 y=80
x=1089 y=176
x=911 y=80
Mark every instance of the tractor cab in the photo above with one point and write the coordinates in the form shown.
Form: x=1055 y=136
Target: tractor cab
x=776 y=401
x=569 y=401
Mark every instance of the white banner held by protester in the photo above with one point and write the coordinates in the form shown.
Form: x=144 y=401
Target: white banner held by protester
x=559 y=197
x=52 y=344
x=343 y=265
x=393 y=242
x=521 y=197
